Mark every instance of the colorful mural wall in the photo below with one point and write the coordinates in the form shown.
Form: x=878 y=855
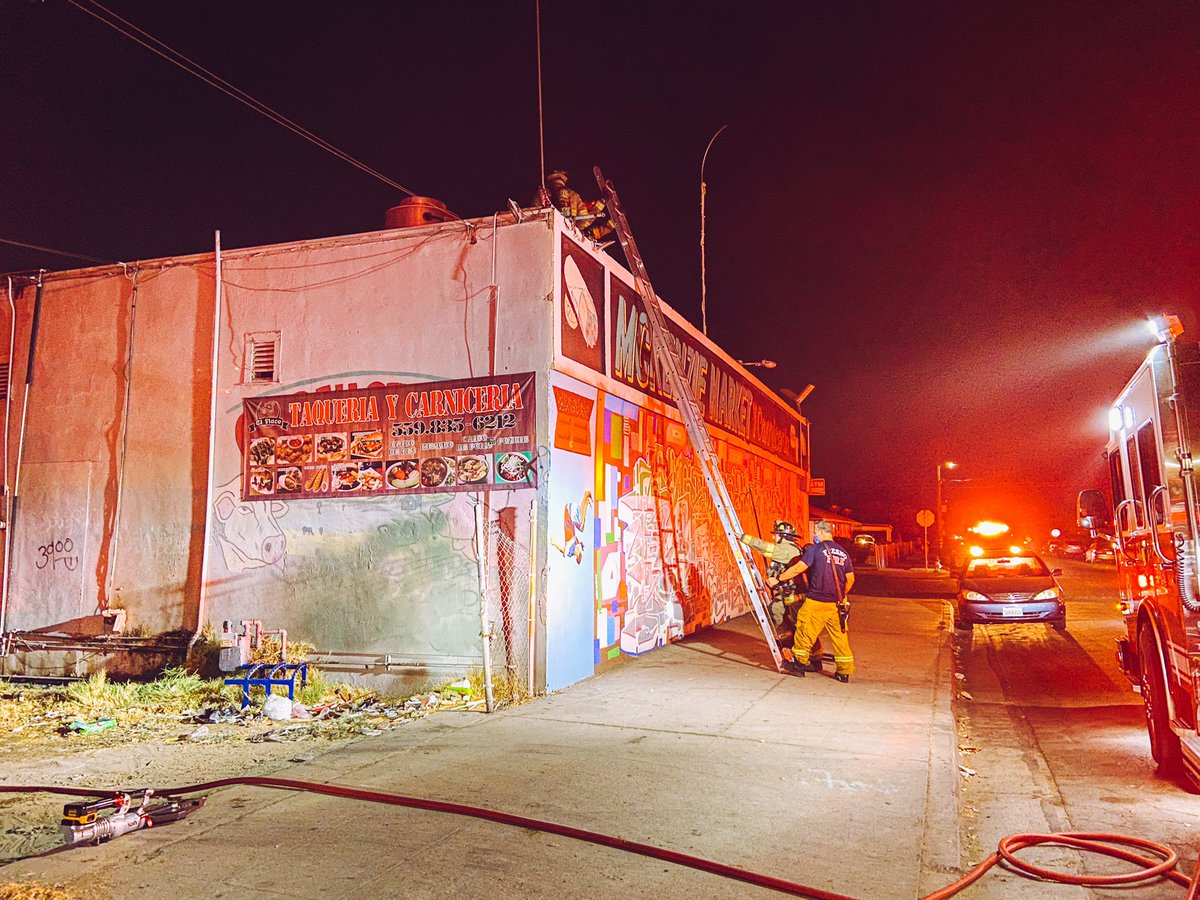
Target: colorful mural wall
x=638 y=556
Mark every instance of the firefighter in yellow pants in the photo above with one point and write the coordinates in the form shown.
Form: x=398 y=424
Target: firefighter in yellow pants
x=830 y=578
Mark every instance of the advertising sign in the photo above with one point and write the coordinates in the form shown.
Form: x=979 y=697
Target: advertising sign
x=582 y=317
x=727 y=400
x=470 y=434
x=816 y=487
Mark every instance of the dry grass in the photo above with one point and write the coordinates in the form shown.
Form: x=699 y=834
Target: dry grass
x=268 y=651
x=29 y=891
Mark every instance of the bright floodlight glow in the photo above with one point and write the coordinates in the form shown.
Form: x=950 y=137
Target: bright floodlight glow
x=1128 y=411
x=1054 y=532
x=950 y=465
x=976 y=550
x=990 y=529
x=1165 y=327
x=1114 y=419
x=1015 y=550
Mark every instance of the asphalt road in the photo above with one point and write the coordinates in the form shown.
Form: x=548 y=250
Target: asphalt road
x=1052 y=738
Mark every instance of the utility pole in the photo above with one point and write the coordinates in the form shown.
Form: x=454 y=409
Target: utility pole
x=941 y=512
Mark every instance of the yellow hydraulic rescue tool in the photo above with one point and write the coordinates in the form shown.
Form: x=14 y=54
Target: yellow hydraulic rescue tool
x=693 y=420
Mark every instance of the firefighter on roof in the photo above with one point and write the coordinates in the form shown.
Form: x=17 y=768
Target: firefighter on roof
x=589 y=218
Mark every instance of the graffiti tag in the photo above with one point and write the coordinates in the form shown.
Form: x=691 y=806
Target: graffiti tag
x=57 y=552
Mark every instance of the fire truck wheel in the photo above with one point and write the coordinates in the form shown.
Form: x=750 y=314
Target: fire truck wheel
x=1164 y=743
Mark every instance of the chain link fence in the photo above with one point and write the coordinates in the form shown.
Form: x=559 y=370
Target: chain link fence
x=510 y=608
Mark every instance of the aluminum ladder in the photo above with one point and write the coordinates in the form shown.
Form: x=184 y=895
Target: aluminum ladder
x=693 y=420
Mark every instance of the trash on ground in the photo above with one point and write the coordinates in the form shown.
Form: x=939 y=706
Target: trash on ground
x=300 y=711
x=965 y=695
x=277 y=708
x=966 y=772
x=92 y=727
x=200 y=734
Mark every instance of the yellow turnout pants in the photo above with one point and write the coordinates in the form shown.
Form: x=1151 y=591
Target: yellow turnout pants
x=815 y=617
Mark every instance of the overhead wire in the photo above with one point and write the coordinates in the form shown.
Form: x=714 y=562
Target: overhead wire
x=173 y=56
x=56 y=252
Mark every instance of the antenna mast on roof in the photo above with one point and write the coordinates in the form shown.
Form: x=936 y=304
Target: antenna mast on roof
x=543 y=194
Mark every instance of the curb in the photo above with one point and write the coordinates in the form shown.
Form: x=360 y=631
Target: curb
x=941 y=843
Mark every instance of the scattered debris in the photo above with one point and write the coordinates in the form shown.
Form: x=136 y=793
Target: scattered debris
x=277 y=708
x=966 y=772
x=79 y=727
x=965 y=695
x=200 y=734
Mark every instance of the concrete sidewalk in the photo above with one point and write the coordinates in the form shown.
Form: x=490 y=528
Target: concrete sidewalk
x=700 y=747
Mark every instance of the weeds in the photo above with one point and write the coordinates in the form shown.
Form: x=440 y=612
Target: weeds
x=29 y=891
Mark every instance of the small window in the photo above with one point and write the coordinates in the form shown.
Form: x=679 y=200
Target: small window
x=1148 y=462
x=261 y=363
x=4 y=373
x=1116 y=477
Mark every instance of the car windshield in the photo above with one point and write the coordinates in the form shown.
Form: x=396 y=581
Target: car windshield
x=1006 y=567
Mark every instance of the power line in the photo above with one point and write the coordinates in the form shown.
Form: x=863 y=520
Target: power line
x=157 y=47
x=52 y=250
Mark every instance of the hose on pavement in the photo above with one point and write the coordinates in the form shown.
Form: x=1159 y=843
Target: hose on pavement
x=1162 y=863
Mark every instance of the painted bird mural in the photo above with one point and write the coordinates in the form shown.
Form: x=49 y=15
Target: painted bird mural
x=573 y=529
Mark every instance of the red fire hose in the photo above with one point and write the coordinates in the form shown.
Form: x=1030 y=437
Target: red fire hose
x=1161 y=863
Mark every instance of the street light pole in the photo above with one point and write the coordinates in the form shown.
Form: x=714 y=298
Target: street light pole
x=703 y=192
x=940 y=530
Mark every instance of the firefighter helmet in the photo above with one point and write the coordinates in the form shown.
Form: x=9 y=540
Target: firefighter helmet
x=558 y=175
x=787 y=529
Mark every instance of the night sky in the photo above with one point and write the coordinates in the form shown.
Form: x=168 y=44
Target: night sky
x=948 y=217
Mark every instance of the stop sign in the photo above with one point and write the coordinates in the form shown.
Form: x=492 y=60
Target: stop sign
x=925 y=517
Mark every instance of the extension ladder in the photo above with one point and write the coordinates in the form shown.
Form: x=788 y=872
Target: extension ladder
x=693 y=420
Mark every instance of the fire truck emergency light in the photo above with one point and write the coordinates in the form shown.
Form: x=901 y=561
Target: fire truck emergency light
x=1165 y=327
x=989 y=529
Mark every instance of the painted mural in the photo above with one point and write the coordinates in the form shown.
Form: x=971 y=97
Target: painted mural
x=662 y=559
x=638 y=556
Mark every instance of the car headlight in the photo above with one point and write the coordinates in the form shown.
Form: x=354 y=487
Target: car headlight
x=1048 y=594
x=975 y=597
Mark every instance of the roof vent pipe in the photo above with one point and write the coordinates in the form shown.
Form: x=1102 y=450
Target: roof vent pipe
x=417 y=211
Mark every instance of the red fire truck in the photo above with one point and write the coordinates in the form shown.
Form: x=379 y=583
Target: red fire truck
x=1155 y=523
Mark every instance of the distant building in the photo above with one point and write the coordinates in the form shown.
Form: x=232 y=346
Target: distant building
x=843 y=525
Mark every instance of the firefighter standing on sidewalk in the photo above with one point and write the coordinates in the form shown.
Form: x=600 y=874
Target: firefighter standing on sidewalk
x=779 y=555
x=830 y=578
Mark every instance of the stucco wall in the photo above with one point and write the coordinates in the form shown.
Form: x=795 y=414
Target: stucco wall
x=113 y=467
x=374 y=576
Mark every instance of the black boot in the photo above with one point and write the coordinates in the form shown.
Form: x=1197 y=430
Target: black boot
x=844 y=679
x=814 y=664
x=790 y=667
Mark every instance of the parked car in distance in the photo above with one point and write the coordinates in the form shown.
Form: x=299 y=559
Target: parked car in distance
x=1101 y=550
x=997 y=588
x=862 y=549
x=1073 y=548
